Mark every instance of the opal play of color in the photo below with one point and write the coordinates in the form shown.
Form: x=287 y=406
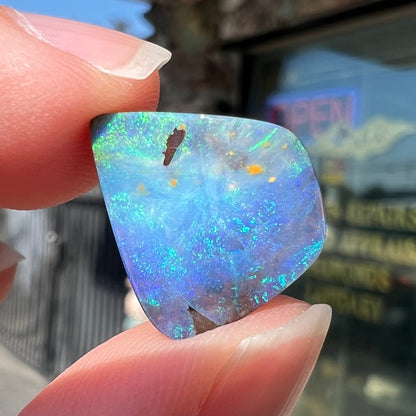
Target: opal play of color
x=213 y=215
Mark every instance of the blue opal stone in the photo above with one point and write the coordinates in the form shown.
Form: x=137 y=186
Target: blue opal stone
x=213 y=215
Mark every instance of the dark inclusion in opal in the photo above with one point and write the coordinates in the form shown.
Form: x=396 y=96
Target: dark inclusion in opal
x=172 y=144
x=214 y=216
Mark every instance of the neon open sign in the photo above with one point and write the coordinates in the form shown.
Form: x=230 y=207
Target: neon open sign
x=310 y=114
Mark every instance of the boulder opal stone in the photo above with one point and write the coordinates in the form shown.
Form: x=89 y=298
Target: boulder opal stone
x=213 y=215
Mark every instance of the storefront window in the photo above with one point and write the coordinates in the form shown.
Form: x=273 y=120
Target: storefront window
x=350 y=96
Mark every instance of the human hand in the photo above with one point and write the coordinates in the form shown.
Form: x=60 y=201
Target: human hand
x=256 y=366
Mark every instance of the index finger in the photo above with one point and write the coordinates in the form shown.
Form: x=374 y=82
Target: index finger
x=53 y=81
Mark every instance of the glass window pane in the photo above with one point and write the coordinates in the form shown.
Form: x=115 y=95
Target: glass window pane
x=351 y=98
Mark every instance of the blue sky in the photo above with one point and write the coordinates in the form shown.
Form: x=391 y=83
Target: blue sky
x=99 y=12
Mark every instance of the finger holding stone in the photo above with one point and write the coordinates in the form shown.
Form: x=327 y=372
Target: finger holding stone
x=258 y=365
x=55 y=76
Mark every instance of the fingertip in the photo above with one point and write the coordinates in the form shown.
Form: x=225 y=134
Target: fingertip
x=49 y=98
x=50 y=161
x=268 y=371
x=142 y=372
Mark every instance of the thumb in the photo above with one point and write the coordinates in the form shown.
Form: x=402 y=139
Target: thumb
x=268 y=371
x=255 y=366
x=55 y=76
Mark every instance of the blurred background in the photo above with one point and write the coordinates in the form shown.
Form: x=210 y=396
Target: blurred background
x=341 y=74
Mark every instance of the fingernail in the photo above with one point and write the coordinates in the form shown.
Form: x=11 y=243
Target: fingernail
x=108 y=50
x=268 y=371
x=8 y=257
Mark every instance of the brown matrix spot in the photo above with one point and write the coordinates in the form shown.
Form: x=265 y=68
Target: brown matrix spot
x=172 y=144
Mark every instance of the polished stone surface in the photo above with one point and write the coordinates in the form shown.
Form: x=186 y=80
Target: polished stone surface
x=213 y=215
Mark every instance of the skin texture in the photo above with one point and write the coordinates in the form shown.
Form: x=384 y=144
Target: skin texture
x=227 y=371
x=48 y=99
x=257 y=365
